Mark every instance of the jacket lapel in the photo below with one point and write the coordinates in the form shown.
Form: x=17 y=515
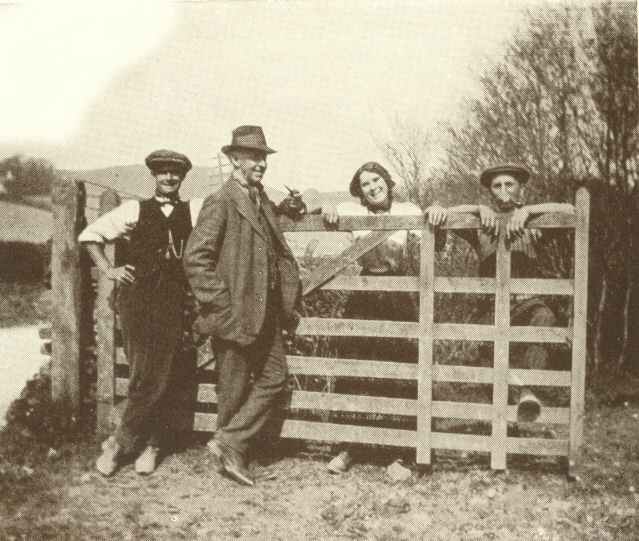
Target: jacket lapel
x=270 y=217
x=244 y=205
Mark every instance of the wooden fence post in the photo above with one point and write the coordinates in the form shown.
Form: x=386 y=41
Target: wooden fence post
x=580 y=315
x=68 y=202
x=105 y=330
x=501 y=352
x=425 y=344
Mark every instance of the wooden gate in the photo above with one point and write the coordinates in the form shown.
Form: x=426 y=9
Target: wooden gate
x=426 y=371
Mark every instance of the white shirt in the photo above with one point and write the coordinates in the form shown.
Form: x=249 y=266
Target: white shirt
x=396 y=209
x=387 y=256
x=119 y=222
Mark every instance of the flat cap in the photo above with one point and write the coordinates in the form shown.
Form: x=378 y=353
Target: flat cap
x=520 y=172
x=165 y=157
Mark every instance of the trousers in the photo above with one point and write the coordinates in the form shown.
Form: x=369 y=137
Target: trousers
x=152 y=319
x=250 y=381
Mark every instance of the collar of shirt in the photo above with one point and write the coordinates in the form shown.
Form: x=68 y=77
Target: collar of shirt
x=166 y=200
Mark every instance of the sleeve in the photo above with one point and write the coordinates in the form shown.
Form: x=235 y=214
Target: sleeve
x=202 y=253
x=113 y=225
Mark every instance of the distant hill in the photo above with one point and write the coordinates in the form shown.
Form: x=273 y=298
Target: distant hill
x=23 y=223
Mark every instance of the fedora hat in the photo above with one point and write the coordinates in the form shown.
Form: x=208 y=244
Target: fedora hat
x=164 y=157
x=520 y=172
x=250 y=137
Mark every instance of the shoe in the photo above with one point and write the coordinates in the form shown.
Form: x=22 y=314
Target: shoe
x=107 y=462
x=147 y=461
x=216 y=455
x=529 y=407
x=234 y=465
x=340 y=463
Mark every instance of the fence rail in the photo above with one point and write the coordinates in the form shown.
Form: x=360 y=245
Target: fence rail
x=424 y=373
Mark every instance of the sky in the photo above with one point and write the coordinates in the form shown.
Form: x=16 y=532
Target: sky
x=96 y=84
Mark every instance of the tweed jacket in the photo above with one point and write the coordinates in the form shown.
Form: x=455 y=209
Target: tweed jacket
x=226 y=264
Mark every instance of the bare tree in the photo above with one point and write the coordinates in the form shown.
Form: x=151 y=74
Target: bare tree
x=408 y=151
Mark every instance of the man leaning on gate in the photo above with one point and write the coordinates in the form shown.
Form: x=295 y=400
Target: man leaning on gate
x=505 y=183
x=246 y=281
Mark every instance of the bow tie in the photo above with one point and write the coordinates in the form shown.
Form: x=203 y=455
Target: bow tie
x=163 y=200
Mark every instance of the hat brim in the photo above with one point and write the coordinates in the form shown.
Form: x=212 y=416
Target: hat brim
x=230 y=148
x=521 y=174
x=178 y=164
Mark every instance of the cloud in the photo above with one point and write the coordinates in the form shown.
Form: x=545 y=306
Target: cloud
x=61 y=56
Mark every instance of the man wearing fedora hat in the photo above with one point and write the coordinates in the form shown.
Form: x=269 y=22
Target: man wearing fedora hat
x=151 y=300
x=505 y=183
x=246 y=281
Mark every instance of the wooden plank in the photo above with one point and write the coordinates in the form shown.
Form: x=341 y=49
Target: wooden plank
x=425 y=355
x=541 y=286
x=460 y=442
x=350 y=255
x=501 y=353
x=462 y=410
x=551 y=378
x=325 y=326
x=373 y=283
x=120 y=357
x=441 y=331
x=311 y=430
x=462 y=374
x=580 y=317
x=66 y=284
x=537 y=446
x=467 y=331
x=121 y=386
x=104 y=321
x=387 y=406
x=356 y=368
x=451 y=284
x=447 y=284
x=378 y=222
x=523 y=286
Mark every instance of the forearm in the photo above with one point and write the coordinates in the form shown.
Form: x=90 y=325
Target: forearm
x=96 y=251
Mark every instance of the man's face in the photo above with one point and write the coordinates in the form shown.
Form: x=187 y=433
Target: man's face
x=250 y=163
x=506 y=191
x=168 y=179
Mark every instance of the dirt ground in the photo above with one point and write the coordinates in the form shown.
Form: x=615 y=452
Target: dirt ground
x=296 y=498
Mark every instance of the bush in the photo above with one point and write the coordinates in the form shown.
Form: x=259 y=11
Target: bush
x=23 y=262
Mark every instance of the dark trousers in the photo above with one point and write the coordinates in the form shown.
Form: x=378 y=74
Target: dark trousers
x=535 y=313
x=244 y=406
x=152 y=320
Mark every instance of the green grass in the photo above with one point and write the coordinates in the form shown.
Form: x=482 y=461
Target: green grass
x=21 y=304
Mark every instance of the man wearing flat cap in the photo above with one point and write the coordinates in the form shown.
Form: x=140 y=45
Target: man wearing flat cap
x=505 y=183
x=151 y=299
x=246 y=281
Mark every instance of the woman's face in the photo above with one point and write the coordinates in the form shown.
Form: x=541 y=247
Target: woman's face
x=374 y=189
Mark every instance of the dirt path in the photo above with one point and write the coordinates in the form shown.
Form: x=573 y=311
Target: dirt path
x=296 y=498
x=20 y=359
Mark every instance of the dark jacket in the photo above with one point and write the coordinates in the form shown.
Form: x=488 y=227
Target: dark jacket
x=226 y=264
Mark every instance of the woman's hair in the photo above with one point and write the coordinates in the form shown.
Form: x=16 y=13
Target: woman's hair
x=371 y=167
